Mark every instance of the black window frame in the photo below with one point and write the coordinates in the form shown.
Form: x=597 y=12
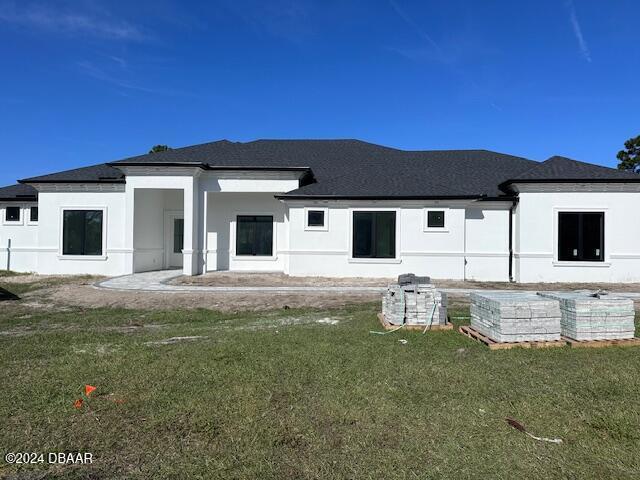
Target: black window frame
x=444 y=218
x=580 y=233
x=31 y=210
x=178 y=236
x=373 y=239
x=316 y=211
x=82 y=249
x=245 y=219
x=6 y=214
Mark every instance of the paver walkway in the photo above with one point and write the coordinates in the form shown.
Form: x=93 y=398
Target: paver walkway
x=156 y=282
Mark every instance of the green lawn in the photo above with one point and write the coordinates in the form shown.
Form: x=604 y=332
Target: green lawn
x=280 y=395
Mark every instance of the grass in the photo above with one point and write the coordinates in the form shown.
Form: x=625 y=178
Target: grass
x=279 y=395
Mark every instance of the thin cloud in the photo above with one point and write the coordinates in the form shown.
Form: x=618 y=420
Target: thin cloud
x=419 y=30
x=577 y=31
x=45 y=17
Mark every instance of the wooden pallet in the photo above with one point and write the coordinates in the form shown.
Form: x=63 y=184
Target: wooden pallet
x=626 y=342
x=493 y=345
x=407 y=326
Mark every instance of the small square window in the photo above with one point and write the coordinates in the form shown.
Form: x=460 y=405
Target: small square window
x=435 y=219
x=315 y=218
x=12 y=214
x=33 y=214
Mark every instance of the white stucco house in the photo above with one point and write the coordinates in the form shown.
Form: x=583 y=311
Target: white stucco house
x=338 y=208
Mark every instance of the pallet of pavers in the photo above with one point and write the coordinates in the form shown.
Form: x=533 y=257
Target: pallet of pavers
x=506 y=319
x=414 y=306
x=595 y=319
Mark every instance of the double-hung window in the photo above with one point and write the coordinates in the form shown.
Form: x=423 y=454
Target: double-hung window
x=374 y=234
x=82 y=232
x=581 y=236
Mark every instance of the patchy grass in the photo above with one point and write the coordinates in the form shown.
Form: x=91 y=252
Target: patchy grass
x=11 y=273
x=292 y=394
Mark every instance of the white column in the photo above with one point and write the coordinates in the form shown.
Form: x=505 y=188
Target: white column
x=129 y=219
x=193 y=226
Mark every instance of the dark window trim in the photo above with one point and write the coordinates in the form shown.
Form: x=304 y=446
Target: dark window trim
x=373 y=235
x=6 y=214
x=273 y=232
x=580 y=257
x=444 y=218
x=324 y=218
x=102 y=253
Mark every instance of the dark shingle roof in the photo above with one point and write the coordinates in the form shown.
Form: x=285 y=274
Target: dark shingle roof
x=101 y=173
x=18 y=192
x=356 y=169
x=562 y=169
x=352 y=168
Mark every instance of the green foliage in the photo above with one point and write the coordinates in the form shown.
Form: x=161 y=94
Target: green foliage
x=630 y=156
x=159 y=148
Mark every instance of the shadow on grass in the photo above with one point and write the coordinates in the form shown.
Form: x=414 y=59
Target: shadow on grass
x=7 y=295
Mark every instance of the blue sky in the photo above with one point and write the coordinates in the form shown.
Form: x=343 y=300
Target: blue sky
x=85 y=82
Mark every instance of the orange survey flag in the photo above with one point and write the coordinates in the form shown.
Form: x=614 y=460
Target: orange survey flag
x=88 y=389
x=77 y=403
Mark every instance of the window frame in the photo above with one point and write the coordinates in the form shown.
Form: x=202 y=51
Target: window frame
x=29 y=221
x=317 y=228
x=425 y=220
x=580 y=234
x=234 y=234
x=397 y=258
x=21 y=215
x=61 y=255
x=606 y=262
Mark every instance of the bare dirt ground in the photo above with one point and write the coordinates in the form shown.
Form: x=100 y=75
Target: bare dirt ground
x=228 y=279
x=63 y=292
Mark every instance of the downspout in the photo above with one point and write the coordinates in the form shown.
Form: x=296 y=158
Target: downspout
x=514 y=204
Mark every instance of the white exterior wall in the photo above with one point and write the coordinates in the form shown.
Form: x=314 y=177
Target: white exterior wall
x=536 y=253
x=18 y=240
x=222 y=210
x=475 y=232
x=50 y=258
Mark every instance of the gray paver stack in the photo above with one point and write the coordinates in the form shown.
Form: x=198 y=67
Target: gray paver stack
x=416 y=303
x=515 y=317
x=588 y=316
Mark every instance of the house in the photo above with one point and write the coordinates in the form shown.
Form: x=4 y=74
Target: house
x=342 y=208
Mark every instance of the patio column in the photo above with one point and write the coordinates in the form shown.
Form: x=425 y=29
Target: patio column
x=191 y=253
x=129 y=218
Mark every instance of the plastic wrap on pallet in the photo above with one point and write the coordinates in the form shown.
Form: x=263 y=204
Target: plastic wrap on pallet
x=515 y=317
x=414 y=304
x=589 y=317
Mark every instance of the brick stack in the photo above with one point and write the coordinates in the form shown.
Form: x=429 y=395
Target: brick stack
x=587 y=316
x=414 y=303
x=515 y=317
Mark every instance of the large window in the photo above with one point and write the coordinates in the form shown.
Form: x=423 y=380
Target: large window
x=82 y=232
x=12 y=214
x=374 y=234
x=581 y=236
x=254 y=235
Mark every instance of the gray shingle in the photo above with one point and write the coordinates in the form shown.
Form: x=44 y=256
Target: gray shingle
x=18 y=192
x=101 y=173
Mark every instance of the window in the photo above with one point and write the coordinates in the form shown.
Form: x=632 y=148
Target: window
x=581 y=236
x=12 y=214
x=374 y=234
x=33 y=214
x=178 y=235
x=82 y=232
x=435 y=219
x=315 y=218
x=254 y=235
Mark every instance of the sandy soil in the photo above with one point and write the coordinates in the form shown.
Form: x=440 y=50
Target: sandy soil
x=226 y=279
x=60 y=292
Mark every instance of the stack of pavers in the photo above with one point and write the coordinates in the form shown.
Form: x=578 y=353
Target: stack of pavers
x=515 y=317
x=594 y=316
x=414 y=301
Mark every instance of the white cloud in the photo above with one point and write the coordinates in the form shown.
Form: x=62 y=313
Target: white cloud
x=46 y=17
x=577 y=31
